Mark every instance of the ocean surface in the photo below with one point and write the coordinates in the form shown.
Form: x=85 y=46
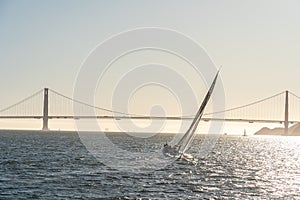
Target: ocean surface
x=56 y=165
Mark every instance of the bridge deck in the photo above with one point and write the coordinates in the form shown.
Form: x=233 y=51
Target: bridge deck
x=146 y=118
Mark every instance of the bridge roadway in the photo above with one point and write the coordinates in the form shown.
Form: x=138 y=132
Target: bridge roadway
x=147 y=118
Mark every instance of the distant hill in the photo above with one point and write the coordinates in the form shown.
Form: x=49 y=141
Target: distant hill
x=293 y=131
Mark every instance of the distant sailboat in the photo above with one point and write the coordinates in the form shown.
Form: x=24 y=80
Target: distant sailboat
x=179 y=149
x=245 y=134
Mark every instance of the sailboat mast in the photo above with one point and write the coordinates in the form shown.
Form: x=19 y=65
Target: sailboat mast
x=190 y=132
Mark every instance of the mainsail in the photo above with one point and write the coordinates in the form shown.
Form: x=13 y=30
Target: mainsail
x=188 y=137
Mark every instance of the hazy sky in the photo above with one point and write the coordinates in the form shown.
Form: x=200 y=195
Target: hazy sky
x=43 y=43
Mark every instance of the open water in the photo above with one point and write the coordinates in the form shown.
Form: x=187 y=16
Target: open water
x=56 y=165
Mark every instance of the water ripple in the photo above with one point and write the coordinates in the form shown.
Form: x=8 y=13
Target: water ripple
x=37 y=165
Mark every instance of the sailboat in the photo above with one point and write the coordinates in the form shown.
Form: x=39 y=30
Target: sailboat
x=245 y=134
x=178 y=150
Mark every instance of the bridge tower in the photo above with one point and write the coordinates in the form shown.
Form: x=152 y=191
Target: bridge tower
x=45 y=111
x=286 y=113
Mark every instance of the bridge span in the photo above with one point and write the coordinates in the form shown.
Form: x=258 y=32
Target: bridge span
x=48 y=104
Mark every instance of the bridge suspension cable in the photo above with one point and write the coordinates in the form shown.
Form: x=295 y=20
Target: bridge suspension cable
x=95 y=107
x=31 y=105
x=294 y=95
x=244 y=106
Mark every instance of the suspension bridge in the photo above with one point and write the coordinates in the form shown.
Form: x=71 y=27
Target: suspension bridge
x=48 y=104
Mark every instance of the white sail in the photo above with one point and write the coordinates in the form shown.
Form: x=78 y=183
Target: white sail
x=188 y=137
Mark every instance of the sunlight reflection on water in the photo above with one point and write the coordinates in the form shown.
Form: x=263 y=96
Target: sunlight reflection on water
x=57 y=166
